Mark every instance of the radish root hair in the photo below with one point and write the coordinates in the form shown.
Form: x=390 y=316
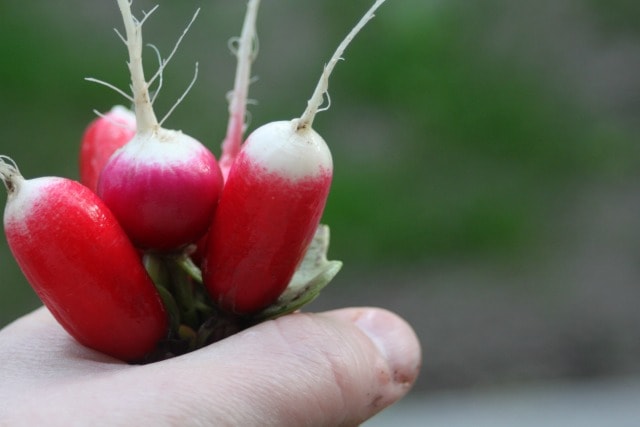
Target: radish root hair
x=160 y=79
x=110 y=86
x=317 y=99
x=165 y=61
x=161 y=64
x=184 y=94
x=140 y=88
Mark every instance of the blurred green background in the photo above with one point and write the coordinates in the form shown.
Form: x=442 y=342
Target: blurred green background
x=486 y=157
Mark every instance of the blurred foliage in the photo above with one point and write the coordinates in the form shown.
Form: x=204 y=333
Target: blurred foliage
x=444 y=145
x=481 y=149
x=618 y=16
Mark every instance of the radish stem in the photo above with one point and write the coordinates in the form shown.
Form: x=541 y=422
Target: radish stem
x=145 y=117
x=238 y=102
x=313 y=105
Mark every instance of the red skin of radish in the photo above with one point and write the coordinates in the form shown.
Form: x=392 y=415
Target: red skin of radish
x=83 y=267
x=264 y=222
x=101 y=139
x=164 y=193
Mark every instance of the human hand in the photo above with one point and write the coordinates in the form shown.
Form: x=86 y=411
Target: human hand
x=336 y=368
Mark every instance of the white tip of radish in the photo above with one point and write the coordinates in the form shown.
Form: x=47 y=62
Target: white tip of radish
x=278 y=147
x=26 y=200
x=179 y=149
x=124 y=112
x=119 y=116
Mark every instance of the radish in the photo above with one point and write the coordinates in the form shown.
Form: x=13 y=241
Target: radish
x=163 y=185
x=271 y=205
x=101 y=139
x=81 y=264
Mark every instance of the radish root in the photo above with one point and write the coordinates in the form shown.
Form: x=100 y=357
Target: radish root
x=141 y=99
x=9 y=173
x=145 y=117
x=322 y=89
x=245 y=48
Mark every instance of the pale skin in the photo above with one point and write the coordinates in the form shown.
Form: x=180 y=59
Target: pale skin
x=336 y=368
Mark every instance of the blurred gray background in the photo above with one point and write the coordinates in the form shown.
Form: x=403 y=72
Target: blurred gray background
x=486 y=159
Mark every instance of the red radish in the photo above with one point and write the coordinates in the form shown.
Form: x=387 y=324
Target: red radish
x=101 y=139
x=271 y=205
x=163 y=185
x=81 y=264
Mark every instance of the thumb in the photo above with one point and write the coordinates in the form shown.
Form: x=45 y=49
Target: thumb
x=335 y=368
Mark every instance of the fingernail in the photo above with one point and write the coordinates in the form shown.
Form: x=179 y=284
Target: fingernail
x=395 y=340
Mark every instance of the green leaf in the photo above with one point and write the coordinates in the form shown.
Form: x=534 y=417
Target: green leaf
x=313 y=274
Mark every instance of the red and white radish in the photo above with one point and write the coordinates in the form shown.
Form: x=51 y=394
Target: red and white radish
x=101 y=139
x=81 y=264
x=163 y=185
x=271 y=205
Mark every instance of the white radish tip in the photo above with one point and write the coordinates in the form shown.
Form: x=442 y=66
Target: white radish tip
x=119 y=116
x=122 y=111
x=279 y=148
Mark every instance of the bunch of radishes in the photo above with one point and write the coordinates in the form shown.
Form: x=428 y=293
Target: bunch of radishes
x=161 y=250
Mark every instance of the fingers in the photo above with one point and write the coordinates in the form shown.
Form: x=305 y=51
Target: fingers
x=37 y=336
x=336 y=368
x=35 y=351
